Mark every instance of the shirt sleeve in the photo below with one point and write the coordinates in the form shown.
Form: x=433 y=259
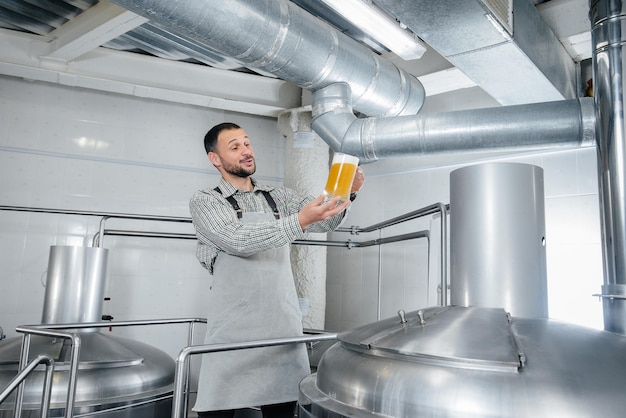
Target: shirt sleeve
x=218 y=228
x=294 y=202
x=216 y=223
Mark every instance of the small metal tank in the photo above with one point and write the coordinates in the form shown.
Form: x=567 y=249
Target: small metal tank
x=117 y=377
x=468 y=362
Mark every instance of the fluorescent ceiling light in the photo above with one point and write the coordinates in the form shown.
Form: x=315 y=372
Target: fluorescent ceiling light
x=380 y=26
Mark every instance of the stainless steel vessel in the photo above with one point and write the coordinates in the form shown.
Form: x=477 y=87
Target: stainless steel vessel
x=498 y=238
x=117 y=377
x=469 y=362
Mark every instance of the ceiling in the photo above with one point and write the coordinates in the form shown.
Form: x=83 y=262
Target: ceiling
x=99 y=45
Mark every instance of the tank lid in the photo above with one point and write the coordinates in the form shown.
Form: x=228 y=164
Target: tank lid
x=97 y=351
x=477 y=338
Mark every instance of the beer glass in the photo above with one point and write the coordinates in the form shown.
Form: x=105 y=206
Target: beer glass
x=341 y=176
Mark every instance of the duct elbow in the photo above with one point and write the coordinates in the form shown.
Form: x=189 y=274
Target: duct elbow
x=332 y=114
x=335 y=122
x=332 y=127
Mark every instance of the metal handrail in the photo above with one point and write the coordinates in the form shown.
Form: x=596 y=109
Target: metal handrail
x=47 y=384
x=439 y=207
x=74 y=356
x=354 y=230
x=51 y=330
x=178 y=405
x=181 y=377
x=327 y=243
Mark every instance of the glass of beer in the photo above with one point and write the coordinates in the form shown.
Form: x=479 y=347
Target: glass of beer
x=341 y=176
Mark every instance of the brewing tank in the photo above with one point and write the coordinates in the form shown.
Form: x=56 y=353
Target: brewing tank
x=458 y=361
x=117 y=377
x=498 y=238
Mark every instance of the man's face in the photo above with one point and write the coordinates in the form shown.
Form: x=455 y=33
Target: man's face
x=233 y=153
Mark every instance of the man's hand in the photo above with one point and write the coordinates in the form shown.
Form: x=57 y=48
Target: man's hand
x=318 y=210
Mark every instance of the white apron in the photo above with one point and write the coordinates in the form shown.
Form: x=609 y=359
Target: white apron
x=252 y=298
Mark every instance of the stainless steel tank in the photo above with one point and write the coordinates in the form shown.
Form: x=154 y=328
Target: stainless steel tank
x=498 y=238
x=469 y=362
x=117 y=377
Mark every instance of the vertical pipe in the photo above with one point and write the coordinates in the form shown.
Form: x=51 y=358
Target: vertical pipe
x=497 y=238
x=75 y=285
x=444 y=254
x=607 y=18
x=19 y=397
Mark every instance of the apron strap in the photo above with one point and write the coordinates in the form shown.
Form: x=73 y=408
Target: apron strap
x=271 y=202
x=235 y=205
x=232 y=202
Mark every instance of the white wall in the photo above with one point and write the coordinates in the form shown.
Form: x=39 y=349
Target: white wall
x=70 y=148
x=574 y=255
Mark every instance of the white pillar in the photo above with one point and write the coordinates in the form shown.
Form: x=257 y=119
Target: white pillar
x=306 y=169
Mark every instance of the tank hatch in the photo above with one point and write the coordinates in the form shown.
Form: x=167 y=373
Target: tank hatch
x=454 y=336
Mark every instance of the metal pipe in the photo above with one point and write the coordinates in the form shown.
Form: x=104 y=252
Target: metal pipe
x=443 y=209
x=19 y=396
x=46 y=397
x=567 y=123
x=608 y=38
x=182 y=359
x=344 y=75
x=24 y=373
x=355 y=230
x=379 y=280
x=271 y=35
x=95 y=213
x=418 y=213
x=427 y=210
x=148 y=234
x=74 y=361
x=99 y=236
x=188 y=369
x=107 y=324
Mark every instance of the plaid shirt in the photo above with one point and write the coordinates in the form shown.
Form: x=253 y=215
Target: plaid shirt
x=219 y=230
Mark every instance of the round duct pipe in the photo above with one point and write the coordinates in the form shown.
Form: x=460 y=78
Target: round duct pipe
x=279 y=37
x=497 y=238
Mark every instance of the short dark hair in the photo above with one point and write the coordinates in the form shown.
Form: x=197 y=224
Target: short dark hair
x=210 y=139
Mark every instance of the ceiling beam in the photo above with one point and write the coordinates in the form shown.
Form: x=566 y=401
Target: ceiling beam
x=148 y=77
x=89 y=30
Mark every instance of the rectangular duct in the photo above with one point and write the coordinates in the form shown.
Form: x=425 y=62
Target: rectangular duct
x=504 y=46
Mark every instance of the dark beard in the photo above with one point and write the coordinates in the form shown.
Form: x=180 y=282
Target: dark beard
x=239 y=171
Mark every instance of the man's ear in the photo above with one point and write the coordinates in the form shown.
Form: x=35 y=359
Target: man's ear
x=214 y=159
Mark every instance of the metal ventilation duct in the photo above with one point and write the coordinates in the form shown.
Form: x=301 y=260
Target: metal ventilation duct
x=566 y=123
x=504 y=46
x=282 y=39
x=279 y=37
